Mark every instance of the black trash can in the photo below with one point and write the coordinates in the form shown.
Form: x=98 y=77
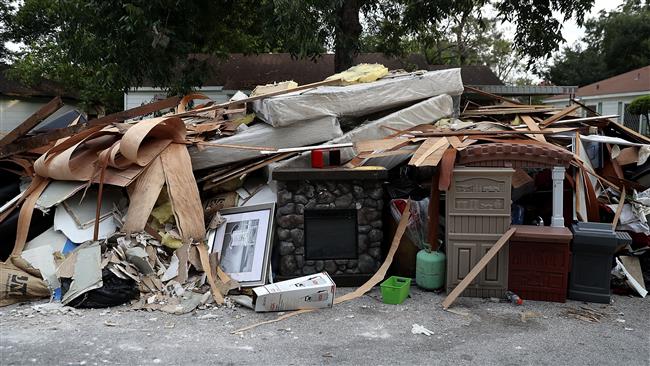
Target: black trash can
x=592 y=253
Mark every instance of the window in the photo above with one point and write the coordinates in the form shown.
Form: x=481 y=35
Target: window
x=589 y=112
x=600 y=108
x=620 y=112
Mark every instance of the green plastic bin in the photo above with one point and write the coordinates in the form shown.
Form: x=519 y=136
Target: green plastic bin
x=395 y=289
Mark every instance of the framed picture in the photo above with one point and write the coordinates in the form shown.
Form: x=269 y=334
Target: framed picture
x=244 y=243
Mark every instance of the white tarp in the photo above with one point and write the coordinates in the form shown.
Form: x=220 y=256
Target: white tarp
x=359 y=99
x=261 y=134
x=427 y=111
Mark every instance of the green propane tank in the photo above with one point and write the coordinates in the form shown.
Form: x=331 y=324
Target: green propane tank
x=430 y=269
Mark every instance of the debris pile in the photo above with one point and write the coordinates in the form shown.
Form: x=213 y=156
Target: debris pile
x=172 y=205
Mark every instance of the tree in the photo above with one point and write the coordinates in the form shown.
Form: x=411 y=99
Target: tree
x=6 y=12
x=537 y=31
x=456 y=41
x=641 y=106
x=103 y=48
x=615 y=42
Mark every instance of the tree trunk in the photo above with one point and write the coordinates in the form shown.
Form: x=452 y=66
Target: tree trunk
x=347 y=34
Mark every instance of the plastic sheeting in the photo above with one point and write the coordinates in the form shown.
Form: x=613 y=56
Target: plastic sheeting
x=357 y=100
x=427 y=111
x=261 y=134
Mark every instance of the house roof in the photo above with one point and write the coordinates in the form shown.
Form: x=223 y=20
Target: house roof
x=630 y=82
x=45 y=88
x=244 y=72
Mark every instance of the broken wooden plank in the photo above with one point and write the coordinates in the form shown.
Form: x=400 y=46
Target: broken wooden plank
x=482 y=263
x=532 y=125
x=557 y=116
x=547 y=131
x=183 y=192
x=143 y=198
x=619 y=209
x=30 y=143
x=32 y=121
x=427 y=148
x=490 y=95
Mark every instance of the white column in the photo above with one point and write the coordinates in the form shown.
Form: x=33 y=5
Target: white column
x=558 y=190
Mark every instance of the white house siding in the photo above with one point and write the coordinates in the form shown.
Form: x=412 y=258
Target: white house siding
x=14 y=111
x=140 y=96
x=607 y=105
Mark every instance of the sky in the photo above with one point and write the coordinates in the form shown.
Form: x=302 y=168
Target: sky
x=572 y=32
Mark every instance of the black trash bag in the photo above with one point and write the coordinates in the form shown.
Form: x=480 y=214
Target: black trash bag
x=115 y=291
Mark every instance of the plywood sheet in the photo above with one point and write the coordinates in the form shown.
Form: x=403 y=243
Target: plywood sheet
x=143 y=197
x=183 y=192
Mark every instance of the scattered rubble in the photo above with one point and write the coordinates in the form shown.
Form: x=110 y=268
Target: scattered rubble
x=173 y=206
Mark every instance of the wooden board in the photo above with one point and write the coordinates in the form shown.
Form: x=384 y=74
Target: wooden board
x=482 y=263
x=183 y=192
x=557 y=116
x=532 y=125
x=34 y=142
x=143 y=197
x=31 y=121
x=427 y=148
x=628 y=155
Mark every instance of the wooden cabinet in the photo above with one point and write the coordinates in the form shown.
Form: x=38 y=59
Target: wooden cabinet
x=478 y=213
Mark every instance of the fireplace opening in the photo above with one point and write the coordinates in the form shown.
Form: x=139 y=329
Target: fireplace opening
x=330 y=234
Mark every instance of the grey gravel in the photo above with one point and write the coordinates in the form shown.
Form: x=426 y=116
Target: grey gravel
x=359 y=332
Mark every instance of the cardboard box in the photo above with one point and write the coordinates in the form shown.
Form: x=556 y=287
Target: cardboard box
x=308 y=292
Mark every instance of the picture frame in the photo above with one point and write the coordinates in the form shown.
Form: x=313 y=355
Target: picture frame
x=244 y=243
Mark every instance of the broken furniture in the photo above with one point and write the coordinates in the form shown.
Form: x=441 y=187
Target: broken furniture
x=538 y=268
x=478 y=214
x=330 y=219
x=592 y=249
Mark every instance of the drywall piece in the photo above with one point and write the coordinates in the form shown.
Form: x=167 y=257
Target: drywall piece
x=427 y=111
x=42 y=258
x=75 y=218
x=56 y=192
x=266 y=194
x=139 y=258
x=87 y=272
x=49 y=237
x=172 y=270
x=83 y=210
x=260 y=134
x=631 y=268
x=359 y=99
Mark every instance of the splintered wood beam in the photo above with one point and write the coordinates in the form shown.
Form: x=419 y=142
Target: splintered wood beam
x=490 y=95
x=136 y=112
x=477 y=268
x=557 y=116
x=32 y=121
x=548 y=131
x=40 y=140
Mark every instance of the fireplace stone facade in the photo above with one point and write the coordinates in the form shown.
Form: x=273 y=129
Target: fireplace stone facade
x=320 y=190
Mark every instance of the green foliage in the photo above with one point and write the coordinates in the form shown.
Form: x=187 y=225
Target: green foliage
x=615 y=42
x=102 y=48
x=640 y=105
x=6 y=12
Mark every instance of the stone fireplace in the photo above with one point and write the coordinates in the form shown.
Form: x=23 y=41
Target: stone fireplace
x=329 y=220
